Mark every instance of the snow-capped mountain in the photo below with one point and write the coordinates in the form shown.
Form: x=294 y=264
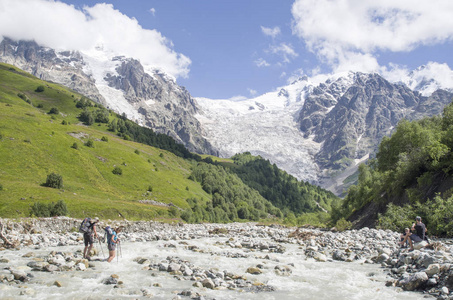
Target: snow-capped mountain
x=318 y=129
x=122 y=84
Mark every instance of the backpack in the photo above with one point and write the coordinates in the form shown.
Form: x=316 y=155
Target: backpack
x=108 y=234
x=85 y=226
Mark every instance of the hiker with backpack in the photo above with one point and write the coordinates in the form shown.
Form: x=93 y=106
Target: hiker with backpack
x=88 y=228
x=112 y=241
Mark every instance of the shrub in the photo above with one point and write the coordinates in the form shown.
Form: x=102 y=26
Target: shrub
x=342 y=224
x=173 y=211
x=150 y=188
x=136 y=151
x=75 y=146
x=105 y=139
x=1 y=136
x=64 y=122
x=102 y=116
x=86 y=117
x=42 y=210
x=117 y=171
x=89 y=143
x=40 y=105
x=161 y=155
x=54 y=111
x=59 y=209
x=82 y=103
x=23 y=97
x=396 y=218
x=54 y=181
x=40 y=89
x=1 y=187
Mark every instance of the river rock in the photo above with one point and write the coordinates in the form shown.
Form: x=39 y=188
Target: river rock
x=320 y=257
x=420 y=245
x=208 y=283
x=414 y=281
x=57 y=283
x=254 y=270
x=432 y=269
x=283 y=270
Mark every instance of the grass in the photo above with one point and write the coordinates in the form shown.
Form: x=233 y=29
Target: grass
x=34 y=144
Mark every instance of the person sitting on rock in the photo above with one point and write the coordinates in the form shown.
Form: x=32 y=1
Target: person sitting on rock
x=419 y=234
x=88 y=238
x=404 y=236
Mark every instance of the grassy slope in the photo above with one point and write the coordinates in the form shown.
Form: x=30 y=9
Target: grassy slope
x=34 y=144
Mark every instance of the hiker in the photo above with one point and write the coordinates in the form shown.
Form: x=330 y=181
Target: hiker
x=88 y=227
x=112 y=241
x=419 y=234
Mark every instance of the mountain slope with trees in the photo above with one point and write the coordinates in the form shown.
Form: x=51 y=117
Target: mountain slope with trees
x=412 y=174
x=60 y=151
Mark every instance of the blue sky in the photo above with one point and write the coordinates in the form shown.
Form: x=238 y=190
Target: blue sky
x=244 y=48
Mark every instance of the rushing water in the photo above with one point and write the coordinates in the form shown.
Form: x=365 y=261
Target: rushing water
x=309 y=279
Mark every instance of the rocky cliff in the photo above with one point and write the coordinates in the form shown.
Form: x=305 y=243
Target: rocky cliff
x=318 y=131
x=150 y=98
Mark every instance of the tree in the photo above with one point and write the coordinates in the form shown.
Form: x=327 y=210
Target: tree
x=54 y=181
x=102 y=116
x=117 y=171
x=40 y=89
x=86 y=117
x=54 y=111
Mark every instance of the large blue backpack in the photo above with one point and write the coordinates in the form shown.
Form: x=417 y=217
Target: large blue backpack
x=108 y=234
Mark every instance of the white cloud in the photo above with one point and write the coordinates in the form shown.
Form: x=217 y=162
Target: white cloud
x=425 y=79
x=252 y=92
x=286 y=51
x=341 y=32
x=272 y=32
x=61 y=26
x=261 y=62
x=152 y=11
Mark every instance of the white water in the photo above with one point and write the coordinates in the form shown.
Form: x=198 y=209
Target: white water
x=310 y=279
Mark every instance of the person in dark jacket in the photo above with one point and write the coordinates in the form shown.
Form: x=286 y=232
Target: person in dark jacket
x=88 y=238
x=418 y=233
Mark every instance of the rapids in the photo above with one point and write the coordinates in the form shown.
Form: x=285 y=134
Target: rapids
x=309 y=279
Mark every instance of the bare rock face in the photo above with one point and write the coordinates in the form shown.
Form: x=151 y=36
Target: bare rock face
x=64 y=67
x=166 y=107
x=351 y=118
x=161 y=104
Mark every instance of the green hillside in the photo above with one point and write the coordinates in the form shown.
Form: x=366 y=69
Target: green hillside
x=113 y=168
x=411 y=175
x=34 y=143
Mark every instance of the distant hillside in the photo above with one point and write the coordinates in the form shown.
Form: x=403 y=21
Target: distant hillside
x=35 y=143
x=46 y=128
x=411 y=175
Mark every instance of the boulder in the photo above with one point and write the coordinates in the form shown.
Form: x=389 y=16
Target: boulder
x=254 y=270
x=414 y=281
x=208 y=283
x=422 y=244
x=432 y=269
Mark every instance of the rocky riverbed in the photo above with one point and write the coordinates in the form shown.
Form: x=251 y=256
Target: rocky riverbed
x=219 y=261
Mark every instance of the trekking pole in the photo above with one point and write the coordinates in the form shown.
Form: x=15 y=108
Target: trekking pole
x=100 y=245
x=119 y=247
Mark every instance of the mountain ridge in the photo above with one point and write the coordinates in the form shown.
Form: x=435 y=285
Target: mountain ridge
x=318 y=129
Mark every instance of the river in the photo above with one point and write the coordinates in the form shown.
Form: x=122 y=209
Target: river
x=309 y=279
